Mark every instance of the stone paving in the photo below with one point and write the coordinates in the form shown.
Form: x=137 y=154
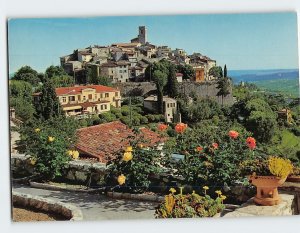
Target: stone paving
x=96 y=206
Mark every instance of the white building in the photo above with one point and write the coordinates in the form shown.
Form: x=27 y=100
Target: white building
x=169 y=106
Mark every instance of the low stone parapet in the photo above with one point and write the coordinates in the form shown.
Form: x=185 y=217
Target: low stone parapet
x=50 y=206
x=250 y=209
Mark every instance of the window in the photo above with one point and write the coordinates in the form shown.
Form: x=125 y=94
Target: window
x=95 y=96
x=168 y=105
x=101 y=96
x=64 y=99
x=79 y=97
x=101 y=107
x=121 y=71
x=105 y=106
x=106 y=95
x=71 y=98
x=90 y=96
x=84 y=98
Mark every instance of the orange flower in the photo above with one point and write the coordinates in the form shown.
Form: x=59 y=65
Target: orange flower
x=180 y=127
x=199 y=148
x=233 y=134
x=162 y=127
x=251 y=143
x=215 y=145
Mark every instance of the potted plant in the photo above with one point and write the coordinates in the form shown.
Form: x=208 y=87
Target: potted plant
x=267 y=175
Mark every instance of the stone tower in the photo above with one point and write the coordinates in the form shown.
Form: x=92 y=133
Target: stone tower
x=142 y=34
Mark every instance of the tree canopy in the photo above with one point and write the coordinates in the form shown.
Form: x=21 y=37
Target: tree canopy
x=27 y=74
x=216 y=72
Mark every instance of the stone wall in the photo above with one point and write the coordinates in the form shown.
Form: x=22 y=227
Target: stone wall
x=76 y=171
x=204 y=90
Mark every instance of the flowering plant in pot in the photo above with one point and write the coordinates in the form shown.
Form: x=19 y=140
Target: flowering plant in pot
x=267 y=175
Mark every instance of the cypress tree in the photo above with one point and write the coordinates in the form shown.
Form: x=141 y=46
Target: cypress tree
x=225 y=71
x=48 y=106
x=172 y=85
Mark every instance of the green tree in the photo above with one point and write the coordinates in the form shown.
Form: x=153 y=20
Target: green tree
x=160 y=79
x=225 y=71
x=21 y=99
x=48 y=106
x=187 y=71
x=171 y=87
x=53 y=71
x=62 y=81
x=224 y=87
x=27 y=74
x=216 y=72
x=203 y=109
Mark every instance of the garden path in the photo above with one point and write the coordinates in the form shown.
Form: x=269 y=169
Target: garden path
x=95 y=206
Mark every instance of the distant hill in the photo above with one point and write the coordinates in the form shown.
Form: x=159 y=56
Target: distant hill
x=281 y=81
x=259 y=75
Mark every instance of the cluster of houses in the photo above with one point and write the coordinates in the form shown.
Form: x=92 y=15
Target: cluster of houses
x=124 y=62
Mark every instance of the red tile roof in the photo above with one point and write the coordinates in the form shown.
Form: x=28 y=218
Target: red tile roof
x=104 y=140
x=78 y=89
x=179 y=74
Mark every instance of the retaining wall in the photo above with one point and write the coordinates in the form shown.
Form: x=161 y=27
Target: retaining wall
x=203 y=89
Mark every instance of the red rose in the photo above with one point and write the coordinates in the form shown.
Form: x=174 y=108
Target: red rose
x=233 y=134
x=180 y=127
x=162 y=127
x=199 y=148
x=215 y=145
x=251 y=143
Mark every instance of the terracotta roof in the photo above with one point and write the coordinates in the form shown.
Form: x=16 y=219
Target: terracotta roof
x=104 y=140
x=77 y=90
x=179 y=74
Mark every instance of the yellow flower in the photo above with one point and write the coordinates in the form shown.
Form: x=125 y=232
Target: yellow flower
x=169 y=203
x=218 y=192
x=121 y=179
x=70 y=153
x=205 y=189
x=128 y=149
x=37 y=130
x=75 y=154
x=127 y=156
x=50 y=139
x=223 y=197
x=141 y=146
x=172 y=190
x=32 y=161
x=181 y=188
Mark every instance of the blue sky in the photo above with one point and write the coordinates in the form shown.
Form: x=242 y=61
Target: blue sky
x=242 y=41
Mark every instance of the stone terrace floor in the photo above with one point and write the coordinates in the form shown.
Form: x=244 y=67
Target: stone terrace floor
x=96 y=206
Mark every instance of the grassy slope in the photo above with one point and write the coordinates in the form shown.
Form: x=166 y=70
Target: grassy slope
x=288 y=146
x=287 y=86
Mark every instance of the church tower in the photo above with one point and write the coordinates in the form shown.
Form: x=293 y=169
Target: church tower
x=142 y=34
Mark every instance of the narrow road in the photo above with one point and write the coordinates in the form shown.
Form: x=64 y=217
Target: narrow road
x=96 y=206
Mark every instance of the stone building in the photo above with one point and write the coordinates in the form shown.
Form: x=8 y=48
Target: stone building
x=169 y=106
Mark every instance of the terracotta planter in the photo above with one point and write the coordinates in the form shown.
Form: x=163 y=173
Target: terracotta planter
x=267 y=192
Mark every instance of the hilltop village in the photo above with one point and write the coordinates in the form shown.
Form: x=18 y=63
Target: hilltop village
x=125 y=62
x=132 y=63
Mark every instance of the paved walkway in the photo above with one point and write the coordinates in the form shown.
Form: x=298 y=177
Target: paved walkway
x=96 y=206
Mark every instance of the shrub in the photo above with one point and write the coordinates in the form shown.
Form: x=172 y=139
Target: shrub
x=47 y=142
x=189 y=206
x=107 y=117
x=144 y=120
x=134 y=165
